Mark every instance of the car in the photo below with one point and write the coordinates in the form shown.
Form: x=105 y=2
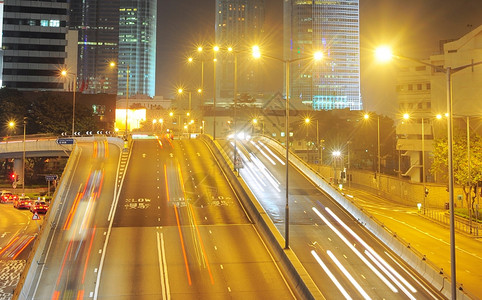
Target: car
x=7 y=196
x=22 y=202
x=39 y=207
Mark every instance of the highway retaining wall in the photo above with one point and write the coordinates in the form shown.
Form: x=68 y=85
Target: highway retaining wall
x=438 y=280
x=297 y=277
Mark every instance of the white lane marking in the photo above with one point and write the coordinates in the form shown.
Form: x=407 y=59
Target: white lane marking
x=163 y=266
x=332 y=277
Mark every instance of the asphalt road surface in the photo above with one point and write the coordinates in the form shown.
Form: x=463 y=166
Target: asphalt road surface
x=343 y=259
x=173 y=230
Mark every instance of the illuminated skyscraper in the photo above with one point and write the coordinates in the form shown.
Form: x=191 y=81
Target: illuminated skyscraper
x=137 y=47
x=332 y=27
x=33 y=41
x=239 y=24
x=97 y=23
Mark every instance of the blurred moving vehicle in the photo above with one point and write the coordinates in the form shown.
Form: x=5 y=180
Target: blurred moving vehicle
x=22 y=202
x=39 y=207
x=7 y=196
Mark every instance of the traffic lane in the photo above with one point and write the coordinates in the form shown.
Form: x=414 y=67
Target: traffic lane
x=238 y=264
x=429 y=238
x=17 y=232
x=304 y=189
x=149 y=180
x=73 y=256
x=206 y=186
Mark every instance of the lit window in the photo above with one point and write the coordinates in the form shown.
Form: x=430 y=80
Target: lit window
x=54 y=23
x=44 y=23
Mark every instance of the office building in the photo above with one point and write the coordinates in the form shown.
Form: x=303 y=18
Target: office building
x=422 y=94
x=239 y=24
x=34 y=41
x=137 y=47
x=97 y=23
x=332 y=27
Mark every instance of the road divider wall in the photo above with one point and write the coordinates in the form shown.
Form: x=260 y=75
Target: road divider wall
x=297 y=277
x=438 y=280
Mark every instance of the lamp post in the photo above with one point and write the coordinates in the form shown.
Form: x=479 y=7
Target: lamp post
x=287 y=62
x=366 y=117
x=128 y=74
x=336 y=155
x=215 y=50
x=23 y=156
x=385 y=54
x=64 y=73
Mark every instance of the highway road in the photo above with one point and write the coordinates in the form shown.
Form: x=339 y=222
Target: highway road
x=167 y=225
x=17 y=232
x=344 y=259
x=428 y=237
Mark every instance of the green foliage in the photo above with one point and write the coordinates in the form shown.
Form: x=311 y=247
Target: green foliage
x=462 y=176
x=47 y=113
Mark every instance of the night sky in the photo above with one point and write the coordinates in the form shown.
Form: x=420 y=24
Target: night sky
x=413 y=27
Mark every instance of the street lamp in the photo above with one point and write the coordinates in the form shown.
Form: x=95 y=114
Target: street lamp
x=336 y=155
x=64 y=73
x=384 y=54
x=317 y=56
x=366 y=117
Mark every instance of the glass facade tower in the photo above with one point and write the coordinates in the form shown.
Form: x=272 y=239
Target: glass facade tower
x=239 y=24
x=137 y=47
x=97 y=23
x=332 y=27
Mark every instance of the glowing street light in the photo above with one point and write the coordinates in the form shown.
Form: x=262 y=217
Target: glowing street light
x=366 y=117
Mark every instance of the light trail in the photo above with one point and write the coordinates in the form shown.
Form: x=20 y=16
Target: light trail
x=24 y=246
x=182 y=245
x=348 y=275
x=385 y=266
x=390 y=275
x=375 y=270
x=264 y=154
x=332 y=277
x=88 y=254
x=202 y=245
x=167 y=185
x=272 y=153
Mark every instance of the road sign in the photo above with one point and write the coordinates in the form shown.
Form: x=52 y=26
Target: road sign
x=35 y=216
x=238 y=163
x=51 y=177
x=65 y=141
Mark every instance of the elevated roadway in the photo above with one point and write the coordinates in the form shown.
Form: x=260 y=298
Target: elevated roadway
x=160 y=222
x=343 y=258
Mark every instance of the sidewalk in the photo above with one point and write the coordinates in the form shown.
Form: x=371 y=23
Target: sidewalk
x=428 y=236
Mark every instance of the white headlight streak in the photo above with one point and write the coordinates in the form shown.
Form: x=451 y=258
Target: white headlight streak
x=375 y=270
x=332 y=277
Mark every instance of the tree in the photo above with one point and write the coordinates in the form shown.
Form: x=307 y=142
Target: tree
x=467 y=180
